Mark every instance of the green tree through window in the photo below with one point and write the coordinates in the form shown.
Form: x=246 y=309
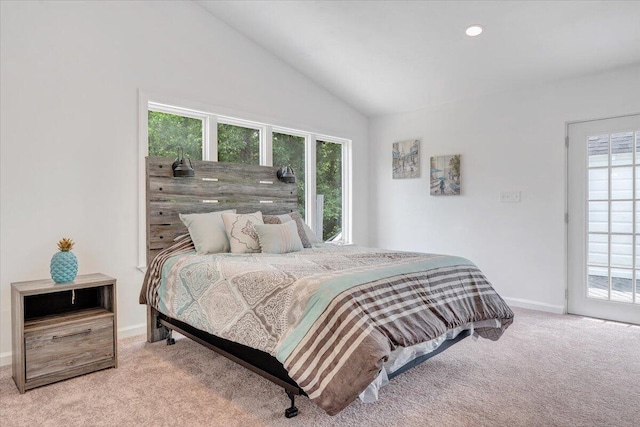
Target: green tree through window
x=329 y=184
x=167 y=132
x=288 y=150
x=237 y=144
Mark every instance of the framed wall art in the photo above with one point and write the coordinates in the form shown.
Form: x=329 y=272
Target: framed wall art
x=445 y=175
x=406 y=159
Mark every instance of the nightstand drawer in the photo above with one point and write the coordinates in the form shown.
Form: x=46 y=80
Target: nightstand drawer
x=61 y=347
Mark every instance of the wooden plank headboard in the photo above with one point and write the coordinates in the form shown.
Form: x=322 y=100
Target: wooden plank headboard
x=217 y=186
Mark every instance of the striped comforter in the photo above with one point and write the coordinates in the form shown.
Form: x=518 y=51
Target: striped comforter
x=331 y=315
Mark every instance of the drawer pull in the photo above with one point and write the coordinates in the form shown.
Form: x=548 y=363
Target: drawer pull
x=86 y=332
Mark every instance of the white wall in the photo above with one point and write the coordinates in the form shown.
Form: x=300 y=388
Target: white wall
x=70 y=74
x=510 y=141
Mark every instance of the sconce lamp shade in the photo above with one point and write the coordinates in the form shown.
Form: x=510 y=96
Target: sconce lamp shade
x=285 y=174
x=182 y=169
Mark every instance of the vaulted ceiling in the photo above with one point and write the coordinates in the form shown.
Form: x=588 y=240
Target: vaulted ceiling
x=386 y=57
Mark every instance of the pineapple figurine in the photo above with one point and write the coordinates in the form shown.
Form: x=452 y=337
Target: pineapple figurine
x=64 y=264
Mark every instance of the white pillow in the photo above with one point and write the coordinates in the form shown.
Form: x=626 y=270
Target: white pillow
x=207 y=231
x=241 y=231
x=279 y=238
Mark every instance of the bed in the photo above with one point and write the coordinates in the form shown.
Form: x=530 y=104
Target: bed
x=330 y=322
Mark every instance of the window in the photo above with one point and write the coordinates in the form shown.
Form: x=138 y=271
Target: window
x=321 y=163
x=613 y=193
x=329 y=190
x=290 y=150
x=168 y=132
x=238 y=144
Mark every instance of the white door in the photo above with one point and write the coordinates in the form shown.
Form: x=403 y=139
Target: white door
x=604 y=219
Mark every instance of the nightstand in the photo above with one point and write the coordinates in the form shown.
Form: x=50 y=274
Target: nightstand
x=62 y=330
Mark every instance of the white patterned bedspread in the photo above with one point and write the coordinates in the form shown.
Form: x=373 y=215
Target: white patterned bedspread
x=247 y=298
x=331 y=315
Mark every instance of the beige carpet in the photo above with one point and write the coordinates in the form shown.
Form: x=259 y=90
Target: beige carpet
x=546 y=370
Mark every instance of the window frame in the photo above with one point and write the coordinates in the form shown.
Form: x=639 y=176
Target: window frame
x=610 y=266
x=210 y=120
x=309 y=206
x=345 y=182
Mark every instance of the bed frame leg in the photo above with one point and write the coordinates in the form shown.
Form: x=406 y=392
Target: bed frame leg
x=291 y=411
x=170 y=339
x=155 y=330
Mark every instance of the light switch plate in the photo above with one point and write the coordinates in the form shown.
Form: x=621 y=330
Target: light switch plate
x=509 y=197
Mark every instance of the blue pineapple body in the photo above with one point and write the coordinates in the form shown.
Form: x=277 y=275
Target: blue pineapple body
x=64 y=267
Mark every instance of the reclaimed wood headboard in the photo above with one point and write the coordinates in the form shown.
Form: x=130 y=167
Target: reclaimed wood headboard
x=217 y=186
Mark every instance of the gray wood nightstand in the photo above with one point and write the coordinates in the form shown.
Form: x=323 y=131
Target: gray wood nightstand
x=62 y=330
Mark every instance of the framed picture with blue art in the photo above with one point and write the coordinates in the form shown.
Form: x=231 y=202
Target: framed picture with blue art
x=406 y=159
x=445 y=175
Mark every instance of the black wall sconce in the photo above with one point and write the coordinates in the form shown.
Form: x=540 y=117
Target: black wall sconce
x=285 y=174
x=182 y=169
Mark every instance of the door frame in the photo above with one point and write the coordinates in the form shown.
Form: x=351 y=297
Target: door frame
x=566 y=196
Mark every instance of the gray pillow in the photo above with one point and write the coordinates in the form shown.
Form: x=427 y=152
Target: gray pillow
x=311 y=235
x=307 y=236
x=279 y=238
x=207 y=231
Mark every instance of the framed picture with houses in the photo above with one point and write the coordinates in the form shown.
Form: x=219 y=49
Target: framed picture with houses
x=406 y=159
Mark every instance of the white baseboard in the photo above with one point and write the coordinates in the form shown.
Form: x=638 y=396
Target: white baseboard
x=5 y=358
x=535 y=305
x=130 y=331
x=141 y=328
x=126 y=332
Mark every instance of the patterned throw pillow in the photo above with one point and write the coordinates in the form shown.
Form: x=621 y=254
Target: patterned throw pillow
x=293 y=216
x=279 y=238
x=241 y=231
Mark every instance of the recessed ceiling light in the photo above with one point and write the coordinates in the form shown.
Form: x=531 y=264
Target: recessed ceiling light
x=474 y=30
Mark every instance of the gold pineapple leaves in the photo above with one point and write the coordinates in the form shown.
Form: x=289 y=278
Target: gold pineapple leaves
x=65 y=244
